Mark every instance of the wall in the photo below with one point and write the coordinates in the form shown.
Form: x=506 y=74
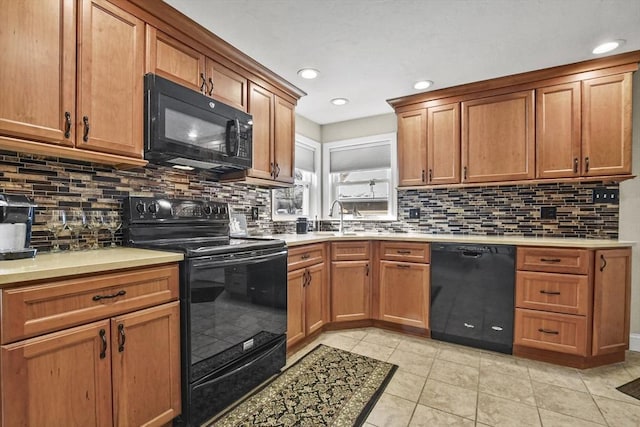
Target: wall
x=61 y=183
x=629 y=214
x=374 y=125
x=306 y=127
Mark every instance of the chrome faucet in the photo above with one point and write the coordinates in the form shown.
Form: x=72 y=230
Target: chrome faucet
x=341 y=228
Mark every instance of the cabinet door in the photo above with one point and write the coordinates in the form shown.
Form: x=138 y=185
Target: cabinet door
x=295 y=306
x=443 y=144
x=404 y=293
x=606 y=125
x=350 y=291
x=228 y=86
x=37 y=76
x=58 y=378
x=145 y=347
x=173 y=60
x=110 y=79
x=558 y=131
x=611 y=301
x=316 y=298
x=261 y=108
x=498 y=138
x=284 y=140
x=412 y=148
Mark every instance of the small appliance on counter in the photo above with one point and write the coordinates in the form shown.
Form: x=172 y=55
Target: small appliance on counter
x=16 y=217
x=302 y=225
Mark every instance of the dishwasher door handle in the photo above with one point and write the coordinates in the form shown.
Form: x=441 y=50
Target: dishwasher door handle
x=471 y=254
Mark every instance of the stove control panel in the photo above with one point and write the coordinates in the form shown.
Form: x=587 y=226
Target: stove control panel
x=170 y=210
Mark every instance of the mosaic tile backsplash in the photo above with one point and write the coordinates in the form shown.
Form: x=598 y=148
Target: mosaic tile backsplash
x=493 y=210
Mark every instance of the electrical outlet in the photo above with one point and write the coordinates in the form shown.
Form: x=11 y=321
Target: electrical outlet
x=605 y=195
x=548 y=212
x=254 y=213
x=414 y=213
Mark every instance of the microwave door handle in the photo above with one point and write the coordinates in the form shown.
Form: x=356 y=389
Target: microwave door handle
x=233 y=150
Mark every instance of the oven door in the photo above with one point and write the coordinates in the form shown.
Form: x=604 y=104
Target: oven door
x=237 y=307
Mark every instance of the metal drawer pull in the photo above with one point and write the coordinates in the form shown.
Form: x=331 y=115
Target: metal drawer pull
x=85 y=121
x=305 y=256
x=550 y=259
x=67 y=124
x=548 y=331
x=117 y=294
x=404 y=266
x=549 y=292
x=604 y=262
x=103 y=352
x=122 y=337
x=403 y=252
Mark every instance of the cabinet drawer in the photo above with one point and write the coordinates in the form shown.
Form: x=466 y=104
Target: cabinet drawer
x=564 y=333
x=29 y=311
x=304 y=256
x=403 y=251
x=554 y=260
x=561 y=293
x=350 y=251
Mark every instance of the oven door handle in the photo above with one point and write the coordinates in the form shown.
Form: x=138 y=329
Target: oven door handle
x=212 y=262
x=240 y=368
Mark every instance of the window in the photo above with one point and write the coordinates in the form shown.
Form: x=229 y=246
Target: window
x=303 y=199
x=359 y=173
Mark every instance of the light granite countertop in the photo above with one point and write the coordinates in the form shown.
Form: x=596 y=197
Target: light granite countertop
x=323 y=236
x=56 y=265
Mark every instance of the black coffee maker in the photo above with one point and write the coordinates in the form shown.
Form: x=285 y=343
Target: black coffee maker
x=16 y=216
x=302 y=225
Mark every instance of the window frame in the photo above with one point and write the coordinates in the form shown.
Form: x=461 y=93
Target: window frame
x=315 y=190
x=373 y=140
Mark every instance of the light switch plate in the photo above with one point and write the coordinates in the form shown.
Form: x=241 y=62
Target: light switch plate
x=414 y=213
x=606 y=195
x=254 y=213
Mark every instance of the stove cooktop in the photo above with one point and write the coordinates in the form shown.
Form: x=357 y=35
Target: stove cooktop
x=206 y=247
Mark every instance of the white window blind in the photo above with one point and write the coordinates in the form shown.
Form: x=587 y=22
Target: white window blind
x=360 y=158
x=305 y=158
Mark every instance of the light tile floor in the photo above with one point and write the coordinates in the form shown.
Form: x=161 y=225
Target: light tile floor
x=442 y=384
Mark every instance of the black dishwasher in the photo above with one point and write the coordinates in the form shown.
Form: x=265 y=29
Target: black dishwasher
x=472 y=289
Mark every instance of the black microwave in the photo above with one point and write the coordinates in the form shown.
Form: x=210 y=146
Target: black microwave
x=188 y=130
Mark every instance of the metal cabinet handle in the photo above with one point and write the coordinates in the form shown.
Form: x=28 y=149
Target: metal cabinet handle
x=103 y=352
x=548 y=331
x=277 y=171
x=404 y=266
x=203 y=85
x=575 y=165
x=117 y=294
x=549 y=292
x=464 y=173
x=603 y=262
x=273 y=170
x=211 y=87
x=366 y=270
x=430 y=175
x=550 y=259
x=305 y=256
x=586 y=164
x=67 y=124
x=403 y=252
x=122 y=338
x=423 y=176
x=309 y=278
x=85 y=121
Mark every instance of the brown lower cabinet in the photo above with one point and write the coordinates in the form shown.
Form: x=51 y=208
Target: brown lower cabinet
x=572 y=305
x=307 y=292
x=116 y=361
x=350 y=281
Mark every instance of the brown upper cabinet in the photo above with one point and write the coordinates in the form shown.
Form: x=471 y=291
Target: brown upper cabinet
x=498 y=138
x=412 y=148
x=568 y=123
x=584 y=128
x=174 y=60
x=95 y=101
x=606 y=125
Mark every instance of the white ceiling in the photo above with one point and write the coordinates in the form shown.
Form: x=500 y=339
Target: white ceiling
x=372 y=50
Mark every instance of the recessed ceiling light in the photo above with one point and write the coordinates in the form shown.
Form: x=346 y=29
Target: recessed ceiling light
x=339 y=101
x=192 y=134
x=422 y=84
x=607 y=46
x=308 y=73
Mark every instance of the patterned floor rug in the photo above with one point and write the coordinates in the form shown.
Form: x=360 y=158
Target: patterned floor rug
x=631 y=388
x=327 y=387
